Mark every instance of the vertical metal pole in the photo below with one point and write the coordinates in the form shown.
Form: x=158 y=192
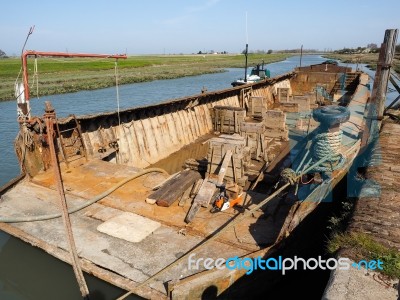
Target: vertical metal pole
x=301 y=54
x=50 y=117
x=245 y=64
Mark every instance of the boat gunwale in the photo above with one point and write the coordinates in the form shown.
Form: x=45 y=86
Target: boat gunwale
x=186 y=100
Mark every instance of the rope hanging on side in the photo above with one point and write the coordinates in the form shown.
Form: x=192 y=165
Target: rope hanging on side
x=35 y=77
x=117 y=89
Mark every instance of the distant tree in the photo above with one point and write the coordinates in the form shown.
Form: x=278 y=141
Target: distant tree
x=2 y=54
x=269 y=51
x=372 y=46
x=200 y=52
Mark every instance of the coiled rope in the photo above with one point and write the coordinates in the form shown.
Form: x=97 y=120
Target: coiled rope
x=288 y=175
x=328 y=144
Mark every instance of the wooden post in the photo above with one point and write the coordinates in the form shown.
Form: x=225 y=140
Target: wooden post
x=386 y=55
x=378 y=95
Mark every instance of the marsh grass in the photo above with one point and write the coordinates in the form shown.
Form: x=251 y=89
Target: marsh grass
x=361 y=246
x=371 y=59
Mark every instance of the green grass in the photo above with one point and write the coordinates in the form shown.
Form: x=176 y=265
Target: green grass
x=63 y=75
x=361 y=246
x=371 y=59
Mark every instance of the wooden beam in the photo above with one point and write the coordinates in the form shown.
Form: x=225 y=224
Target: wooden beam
x=224 y=166
x=174 y=188
x=178 y=189
x=386 y=55
x=378 y=95
x=208 y=187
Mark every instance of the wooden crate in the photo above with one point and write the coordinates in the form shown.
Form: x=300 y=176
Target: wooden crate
x=303 y=102
x=275 y=119
x=253 y=132
x=227 y=119
x=283 y=94
x=275 y=124
x=257 y=107
x=289 y=107
x=218 y=147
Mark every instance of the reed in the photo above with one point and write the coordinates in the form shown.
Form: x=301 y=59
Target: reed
x=370 y=59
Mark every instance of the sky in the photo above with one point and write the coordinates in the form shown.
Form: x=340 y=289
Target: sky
x=190 y=26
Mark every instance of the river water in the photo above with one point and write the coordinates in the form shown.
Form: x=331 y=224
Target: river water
x=29 y=273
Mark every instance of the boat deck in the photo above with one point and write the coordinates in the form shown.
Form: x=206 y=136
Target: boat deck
x=135 y=261
x=124 y=240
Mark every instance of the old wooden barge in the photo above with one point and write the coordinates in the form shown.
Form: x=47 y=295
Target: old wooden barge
x=134 y=225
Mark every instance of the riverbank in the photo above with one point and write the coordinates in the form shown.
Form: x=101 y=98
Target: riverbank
x=373 y=229
x=59 y=76
x=371 y=59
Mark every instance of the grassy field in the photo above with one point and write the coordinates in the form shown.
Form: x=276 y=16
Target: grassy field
x=370 y=59
x=65 y=75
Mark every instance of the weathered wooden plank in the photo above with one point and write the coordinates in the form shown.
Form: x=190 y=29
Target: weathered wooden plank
x=177 y=121
x=135 y=143
x=172 y=130
x=224 y=166
x=151 y=141
x=125 y=144
x=142 y=159
x=188 y=126
x=174 y=191
x=289 y=107
x=153 y=197
x=208 y=188
x=251 y=127
x=180 y=123
x=206 y=191
x=158 y=137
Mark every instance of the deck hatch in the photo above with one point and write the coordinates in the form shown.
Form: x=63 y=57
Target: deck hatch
x=129 y=227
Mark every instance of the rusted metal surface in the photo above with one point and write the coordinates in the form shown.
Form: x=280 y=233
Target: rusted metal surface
x=147 y=135
x=50 y=119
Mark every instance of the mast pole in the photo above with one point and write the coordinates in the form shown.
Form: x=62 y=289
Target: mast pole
x=301 y=54
x=246 y=51
x=245 y=64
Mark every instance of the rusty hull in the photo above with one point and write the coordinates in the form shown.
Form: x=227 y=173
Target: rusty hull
x=104 y=152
